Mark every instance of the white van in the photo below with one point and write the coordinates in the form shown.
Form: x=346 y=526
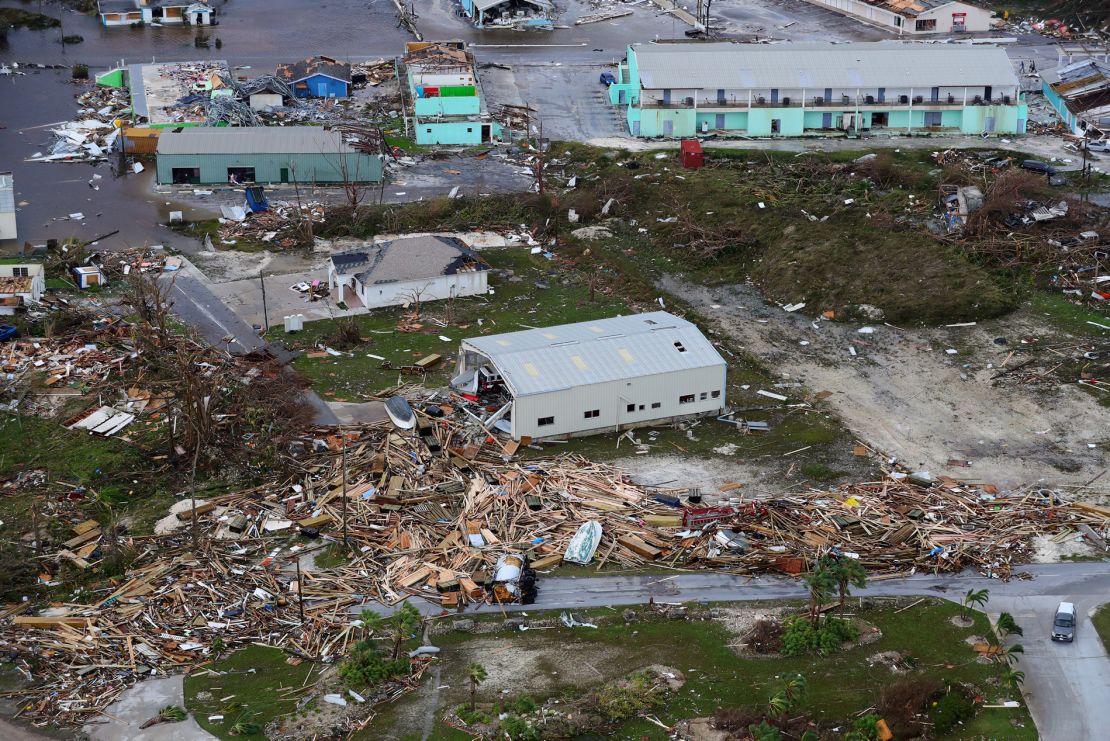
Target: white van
x=1063 y=626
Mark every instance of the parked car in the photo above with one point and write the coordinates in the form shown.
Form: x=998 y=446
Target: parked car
x=1063 y=626
x=8 y=332
x=1038 y=166
x=607 y=79
x=1098 y=145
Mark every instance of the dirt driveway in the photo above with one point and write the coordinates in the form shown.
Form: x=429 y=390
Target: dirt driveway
x=905 y=394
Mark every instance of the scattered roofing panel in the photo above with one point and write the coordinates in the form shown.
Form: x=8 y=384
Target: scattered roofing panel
x=294 y=71
x=820 y=65
x=253 y=140
x=1084 y=85
x=539 y=361
x=171 y=92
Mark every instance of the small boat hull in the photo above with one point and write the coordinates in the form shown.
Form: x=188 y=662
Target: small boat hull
x=400 y=413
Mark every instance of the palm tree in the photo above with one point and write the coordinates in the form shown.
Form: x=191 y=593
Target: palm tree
x=1009 y=655
x=822 y=584
x=401 y=625
x=1013 y=678
x=1007 y=626
x=475 y=674
x=973 y=597
x=847 y=572
x=788 y=697
x=372 y=622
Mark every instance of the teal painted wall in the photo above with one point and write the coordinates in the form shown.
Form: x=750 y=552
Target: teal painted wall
x=308 y=168
x=652 y=121
x=453 y=132
x=1058 y=104
x=462 y=106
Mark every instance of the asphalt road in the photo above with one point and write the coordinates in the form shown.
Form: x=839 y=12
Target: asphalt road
x=195 y=304
x=1067 y=686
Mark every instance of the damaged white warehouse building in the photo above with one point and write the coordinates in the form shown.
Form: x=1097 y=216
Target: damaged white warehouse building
x=596 y=376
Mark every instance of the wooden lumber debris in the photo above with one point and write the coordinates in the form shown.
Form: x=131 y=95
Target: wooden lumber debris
x=428 y=514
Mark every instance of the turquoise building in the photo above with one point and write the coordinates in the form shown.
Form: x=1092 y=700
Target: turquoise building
x=686 y=89
x=445 y=97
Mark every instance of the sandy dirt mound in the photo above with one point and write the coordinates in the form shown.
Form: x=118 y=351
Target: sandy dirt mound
x=905 y=394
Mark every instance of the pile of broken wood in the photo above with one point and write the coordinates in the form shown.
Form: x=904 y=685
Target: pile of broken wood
x=427 y=513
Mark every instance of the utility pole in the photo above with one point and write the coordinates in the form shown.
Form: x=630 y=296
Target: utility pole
x=265 y=313
x=193 y=496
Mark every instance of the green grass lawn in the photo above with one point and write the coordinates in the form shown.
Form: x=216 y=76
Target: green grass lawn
x=1101 y=621
x=839 y=686
x=240 y=694
x=1069 y=316
x=514 y=305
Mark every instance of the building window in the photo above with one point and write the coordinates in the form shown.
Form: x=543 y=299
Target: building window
x=469 y=129
x=928 y=24
x=429 y=129
x=686 y=399
x=20 y=272
x=641 y=407
x=704 y=395
x=590 y=414
x=716 y=394
x=656 y=404
x=630 y=408
x=680 y=347
x=545 y=421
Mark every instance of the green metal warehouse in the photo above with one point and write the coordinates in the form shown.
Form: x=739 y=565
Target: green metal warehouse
x=262 y=154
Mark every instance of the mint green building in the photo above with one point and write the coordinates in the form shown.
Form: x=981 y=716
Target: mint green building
x=686 y=89
x=445 y=95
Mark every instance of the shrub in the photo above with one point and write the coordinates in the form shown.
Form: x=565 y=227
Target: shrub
x=80 y=71
x=800 y=637
x=900 y=701
x=951 y=709
x=765 y=637
x=518 y=729
x=624 y=700
x=524 y=705
x=471 y=718
x=73 y=39
x=366 y=666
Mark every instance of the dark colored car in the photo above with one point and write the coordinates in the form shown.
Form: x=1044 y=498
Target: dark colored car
x=1038 y=166
x=607 y=79
x=7 y=332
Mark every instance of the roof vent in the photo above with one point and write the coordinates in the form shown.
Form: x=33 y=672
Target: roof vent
x=680 y=347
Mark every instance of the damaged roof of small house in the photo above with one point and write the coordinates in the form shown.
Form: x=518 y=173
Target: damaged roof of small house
x=539 y=361
x=294 y=71
x=16 y=284
x=1084 y=85
x=816 y=65
x=912 y=8
x=408 y=258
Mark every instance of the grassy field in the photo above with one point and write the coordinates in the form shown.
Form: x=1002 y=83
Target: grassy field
x=1101 y=622
x=516 y=303
x=804 y=228
x=253 y=684
x=839 y=685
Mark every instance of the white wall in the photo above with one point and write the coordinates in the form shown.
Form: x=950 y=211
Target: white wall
x=397 y=293
x=441 y=80
x=611 y=399
x=976 y=20
x=7 y=226
x=261 y=101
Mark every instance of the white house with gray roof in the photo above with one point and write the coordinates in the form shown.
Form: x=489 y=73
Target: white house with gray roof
x=405 y=270
x=598 y=376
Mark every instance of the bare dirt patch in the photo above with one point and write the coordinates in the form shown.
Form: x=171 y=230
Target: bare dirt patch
x=905 y=394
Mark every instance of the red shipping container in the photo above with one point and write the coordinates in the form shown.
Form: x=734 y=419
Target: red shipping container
x=690 y=154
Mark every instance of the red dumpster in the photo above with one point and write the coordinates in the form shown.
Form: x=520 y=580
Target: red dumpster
x=691 y=155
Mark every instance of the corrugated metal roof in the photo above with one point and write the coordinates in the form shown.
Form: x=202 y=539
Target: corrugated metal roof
x=820 y=65
x=253 y=140
x=539 y=361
